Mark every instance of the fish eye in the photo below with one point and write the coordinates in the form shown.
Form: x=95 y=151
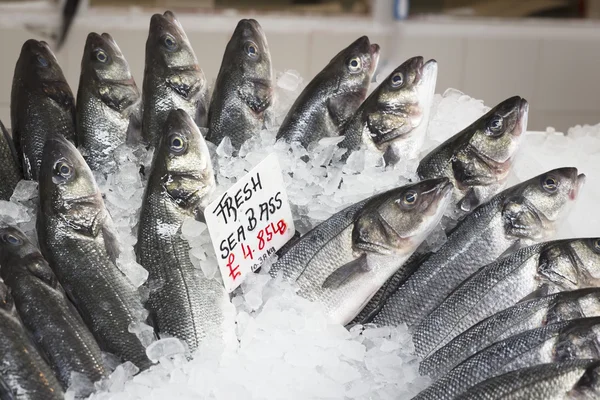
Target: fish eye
x=496 y=124
x=170 y=42
x=550 y=184
x=11 y=239
x=596 y=244
x=397 y=79
x=63 y=169
x=101 y=56
x=42 y=61
x=410 y=198
x=355 y=64
x=177 y=144
x=251 y=49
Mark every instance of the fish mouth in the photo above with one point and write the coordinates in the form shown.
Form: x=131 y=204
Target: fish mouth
x=579 y=182
x=427 y=73
x=523 y=117
x=374 y=51
x=164 y=21
x=440 y=195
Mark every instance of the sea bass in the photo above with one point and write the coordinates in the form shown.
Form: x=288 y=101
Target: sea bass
x=108 y=102
x=576 y=379
x=478 y=159
x=45 y=310
x=393 y=120
x=23 y=372
x=521 y=215
x=562 y=341
x=183 y=302
x=521 y=317
x=77 y=238
x=41 y=102
x=333 y=96
x=543 y=268
x=243 y=91
x=10 y=168
x=343 y=261
x=172 y=77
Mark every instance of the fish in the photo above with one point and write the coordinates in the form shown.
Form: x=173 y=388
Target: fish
x=344 y=260
x=10 y=171
x=562 y=341
x=77 y=238
x=478 y=159
x=243 y=91
x=393 y=120
x=183 y=303
x=332 y=96
x=575 y=379
x=539 y=269
x=525 y=315
x=41 y=103
x=46 y=312
x=172 y=77
x=23 y=371
x=519 y=216
x=108 y=102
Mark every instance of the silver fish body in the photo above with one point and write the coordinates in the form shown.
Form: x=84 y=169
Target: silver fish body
x=77 y=238
x=41 y=103
x=343 y=261
x=568 y=380
x=46 y=312
x=521 y=215
x=243 y=91
x=548 y=267
x=183 y=302
x=108 y=102
x=333 y=96
x=10 y=168
x=393 y=120
x=521 y=317
x=23 y=372
x=478 y=159
x=576 y=339
x=172 y=77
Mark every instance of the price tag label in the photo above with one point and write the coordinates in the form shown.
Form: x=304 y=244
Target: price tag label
x=250 y=221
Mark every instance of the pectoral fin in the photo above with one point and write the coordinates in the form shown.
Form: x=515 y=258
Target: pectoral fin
x=346 y=273
x=469 y=202
x=539 y=292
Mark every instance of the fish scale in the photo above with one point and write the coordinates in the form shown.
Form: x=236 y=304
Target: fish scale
x=10 y=170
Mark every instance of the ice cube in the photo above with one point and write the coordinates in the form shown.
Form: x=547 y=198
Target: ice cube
x=289 y=80
x=144 y=333
x=25 y=190
x=225 y=148
x=167 y=347
x=191 y=229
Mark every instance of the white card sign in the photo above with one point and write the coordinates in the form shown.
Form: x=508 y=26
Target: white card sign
x=250 y=222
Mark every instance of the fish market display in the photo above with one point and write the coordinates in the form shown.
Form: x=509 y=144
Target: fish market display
x=393 y=120
x=522 y=214
x=23 y=372
x=545 y=268
x=41 y=103
x=343 y=261
x=566 y=380
x=333 y=96
x=172 y=77
x=478 y=159
x=396 y=258
x=10 y=168
x=45 y=310
x=108 y=101
x=76 y=237
x=576 y=339
x=182 y=303
x=523 y=316
x=243 y=91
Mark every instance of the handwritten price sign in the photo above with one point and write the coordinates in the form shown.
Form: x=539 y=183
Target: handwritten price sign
x=250 y=221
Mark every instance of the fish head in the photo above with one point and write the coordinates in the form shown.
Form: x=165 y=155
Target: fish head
x=20 y=257
x=496 y=135
x=578 y=339
x=168 y=44
x=397 y=221
x=38 y=63
x=572 y=264
x=186 y=170
x=66 y=184
x=402 y=99
x=248 y=51
x=540 y=202
x=103 y=58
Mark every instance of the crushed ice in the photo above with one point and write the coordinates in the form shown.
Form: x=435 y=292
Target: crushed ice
x=285 y=346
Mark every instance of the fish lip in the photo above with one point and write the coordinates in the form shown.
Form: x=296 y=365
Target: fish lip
x=523 y=117
x=579 y=182
x=374 y=52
